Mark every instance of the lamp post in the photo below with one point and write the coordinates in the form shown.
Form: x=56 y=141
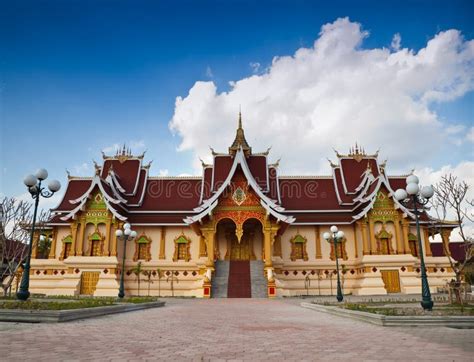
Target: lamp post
x=412 y=194
x=37 y=190
x=126 y=234
x=337 y=236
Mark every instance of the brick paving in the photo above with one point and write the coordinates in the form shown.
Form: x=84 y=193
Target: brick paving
x=230 y=329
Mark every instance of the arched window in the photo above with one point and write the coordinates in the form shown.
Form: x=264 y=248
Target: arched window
x=67 y=248
x=142 y=248
x=413 y=244
x=298 y=248
x=96 y=244
x=384 y=242
x=341 y=250
x=182 y=248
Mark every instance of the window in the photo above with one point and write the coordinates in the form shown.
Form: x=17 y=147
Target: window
x=413 y=244
x=384 y=242
x=67 y=248
x=384 y=246
x=96 y=241
x=298 y=248
x=142 y=248
x=182 y=248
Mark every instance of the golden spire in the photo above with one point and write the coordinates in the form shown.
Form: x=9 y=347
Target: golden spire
x=240 y=141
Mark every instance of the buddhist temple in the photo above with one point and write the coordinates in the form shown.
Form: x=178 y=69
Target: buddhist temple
x=240 y=229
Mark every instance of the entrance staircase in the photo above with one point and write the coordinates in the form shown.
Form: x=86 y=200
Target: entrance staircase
x=220 y=279
x=239 y=279
x=257 y=277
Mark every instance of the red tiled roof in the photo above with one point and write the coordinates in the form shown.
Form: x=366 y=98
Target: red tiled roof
x=127 y=172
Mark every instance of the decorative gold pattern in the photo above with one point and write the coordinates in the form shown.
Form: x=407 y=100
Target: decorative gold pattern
x=298 y=248
x=142 y=248
x=182 y=248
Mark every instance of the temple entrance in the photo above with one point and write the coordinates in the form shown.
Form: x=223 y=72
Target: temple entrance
x=236 y=271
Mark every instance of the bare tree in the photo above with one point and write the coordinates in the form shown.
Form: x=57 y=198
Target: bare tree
x=451 y=201
x=15 y=220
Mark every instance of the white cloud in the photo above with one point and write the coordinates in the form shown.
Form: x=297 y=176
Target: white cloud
x=164 y=172
x=464 y=172
x=331 y=95
x=470 y=135
x=396 y=42
x=209 y=73
x=255 y=66
x=81 y=170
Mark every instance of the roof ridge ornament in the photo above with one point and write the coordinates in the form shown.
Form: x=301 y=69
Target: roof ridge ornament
x=240 y=141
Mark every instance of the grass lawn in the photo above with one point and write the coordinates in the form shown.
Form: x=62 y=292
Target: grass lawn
x=411 y=309
x=67 y=303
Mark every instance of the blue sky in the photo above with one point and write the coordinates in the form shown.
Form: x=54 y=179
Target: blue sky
x=80 y=76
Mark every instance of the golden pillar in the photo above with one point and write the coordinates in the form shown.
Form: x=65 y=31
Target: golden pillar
x=113 y=245
x=34 y=249
x=162 y=243
x=365 y=241
x=319 y=254
x=209 y=235
x=80 y=239
x=269 y=232
x=74 y=238
x=107 y=238
x=405 y=229
x=373 y=245
x=445 y=233
x=398 y=235
x=356 y=248
x=426 y=236
x=202 y=246
x=52 y=250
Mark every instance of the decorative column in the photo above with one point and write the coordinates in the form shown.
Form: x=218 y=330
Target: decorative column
x=426 y=236
x=202 y=246
x=405 y=229
x=113 y=246
x=365 y=242
x=80 y=239
x=74 y=238
x=356 y=248
x=209 y=235
x=445 y=233
x=317 y=237
x=400 y=249
x=107 y=239
x=34 y=248
x=267 y=244
x=373 y=245
x=52 y=250
x=162 y=243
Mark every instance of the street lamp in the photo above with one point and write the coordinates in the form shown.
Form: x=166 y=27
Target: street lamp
x=126 y=234
x=34 y=185
x=412 y=194
x=337 y=236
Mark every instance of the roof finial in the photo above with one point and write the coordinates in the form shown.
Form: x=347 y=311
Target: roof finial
x=240 y=116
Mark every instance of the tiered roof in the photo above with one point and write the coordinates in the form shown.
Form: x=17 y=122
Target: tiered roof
x=131 y=194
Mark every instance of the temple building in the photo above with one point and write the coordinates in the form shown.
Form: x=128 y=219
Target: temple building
x=239 y=230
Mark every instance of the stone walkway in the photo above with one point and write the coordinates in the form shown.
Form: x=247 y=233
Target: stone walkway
x=230 y=329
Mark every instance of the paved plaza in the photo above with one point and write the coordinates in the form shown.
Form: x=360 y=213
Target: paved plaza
x=230 y=329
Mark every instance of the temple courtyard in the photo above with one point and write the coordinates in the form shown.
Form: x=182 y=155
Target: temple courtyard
x=230 y=329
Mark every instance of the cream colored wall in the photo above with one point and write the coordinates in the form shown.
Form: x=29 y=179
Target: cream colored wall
x=62 y=232
x=309 y=232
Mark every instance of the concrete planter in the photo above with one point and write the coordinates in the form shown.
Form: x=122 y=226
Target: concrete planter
x=396 y=321
x=58 y=316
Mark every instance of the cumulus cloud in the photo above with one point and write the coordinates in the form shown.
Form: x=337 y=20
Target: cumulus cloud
x=331 y=95
x=396 y=42
x=209 y=73
x=255 y=66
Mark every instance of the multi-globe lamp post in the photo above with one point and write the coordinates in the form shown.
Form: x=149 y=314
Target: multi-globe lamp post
x=336 y=237
x=414 y=196
x=126 y=234
x=34 y=183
